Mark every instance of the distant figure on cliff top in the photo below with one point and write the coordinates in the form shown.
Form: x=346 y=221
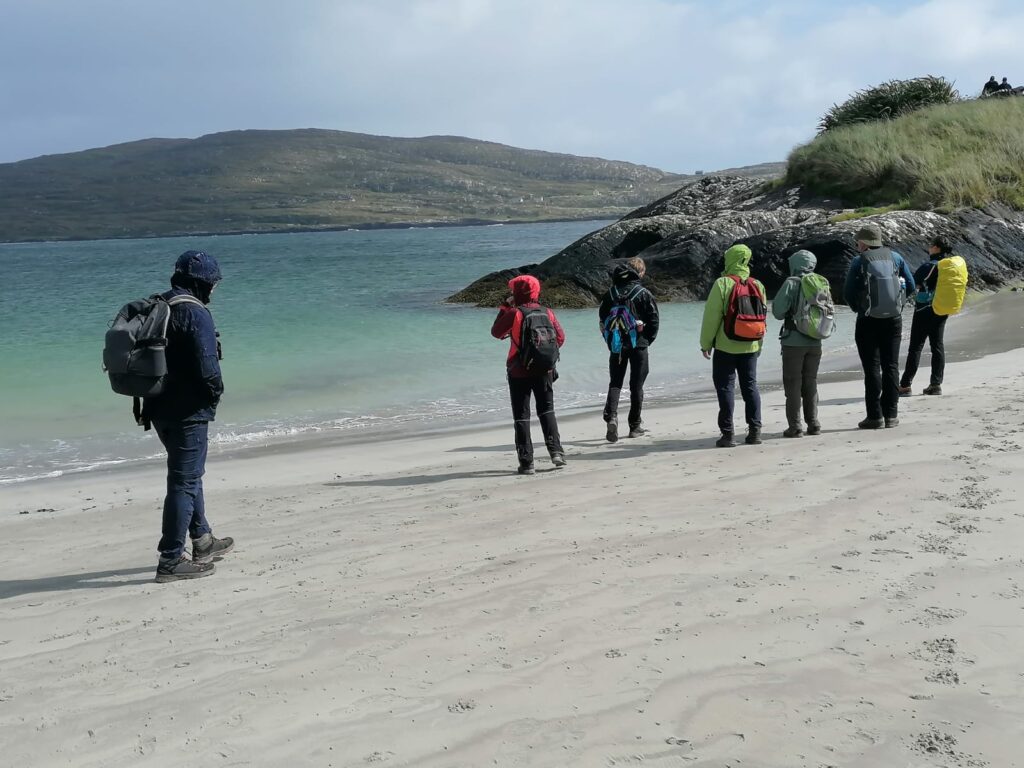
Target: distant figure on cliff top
x=629 y=323
x=1005 y=86
x=990 y=87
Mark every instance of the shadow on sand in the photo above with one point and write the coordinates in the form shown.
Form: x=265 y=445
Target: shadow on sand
x=444 y=477
x=95 y=580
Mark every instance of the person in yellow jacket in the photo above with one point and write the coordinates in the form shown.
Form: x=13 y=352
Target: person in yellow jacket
x=928 y=325
x=732 y=358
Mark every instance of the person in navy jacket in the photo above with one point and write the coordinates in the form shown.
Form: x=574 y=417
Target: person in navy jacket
x=181 y=417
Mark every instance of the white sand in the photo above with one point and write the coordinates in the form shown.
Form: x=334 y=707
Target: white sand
x=846 y=600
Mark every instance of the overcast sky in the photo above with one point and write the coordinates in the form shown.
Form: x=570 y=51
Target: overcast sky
x=679 y=85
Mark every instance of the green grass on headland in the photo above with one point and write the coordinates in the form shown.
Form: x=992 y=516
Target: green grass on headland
x=967 y=154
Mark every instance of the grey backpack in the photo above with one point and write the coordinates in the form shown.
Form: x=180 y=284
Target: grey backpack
x=884 y=290
x=135 y=353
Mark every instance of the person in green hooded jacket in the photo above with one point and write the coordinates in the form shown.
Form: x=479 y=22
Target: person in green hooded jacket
x=801 y=354
x=732 y=358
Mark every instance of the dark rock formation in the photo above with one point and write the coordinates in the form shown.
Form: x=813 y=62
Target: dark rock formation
x=682 y=238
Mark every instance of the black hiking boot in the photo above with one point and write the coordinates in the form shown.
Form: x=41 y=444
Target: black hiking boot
x=637 y=431
x=753 y=436
x=795 y=432
x=871 y=424
x=814 y=429
x=558 y=459
x=612 y=433
x=726 y=441
x=933 y=389
x=905 y=391
x=892 y=423
x=207 y=547
x=526 y=468
x=182 y=568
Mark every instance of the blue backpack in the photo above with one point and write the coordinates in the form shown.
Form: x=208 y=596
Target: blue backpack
x=620 y=326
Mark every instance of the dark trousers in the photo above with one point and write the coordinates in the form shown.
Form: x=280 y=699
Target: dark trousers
x=800 y=380
x=543 y=391
x=184 y=510
x=927 y=326
x=725 y=368
x=639 y=367
x=878 y=344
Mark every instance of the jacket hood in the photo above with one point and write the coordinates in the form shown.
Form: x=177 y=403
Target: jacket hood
x=802 y=262
x=737 y=261
x=525 y=288
x=198 y=265
x=624 y=274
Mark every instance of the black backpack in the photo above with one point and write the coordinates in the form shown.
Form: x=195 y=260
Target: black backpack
x=135 y=352
x=538 y=342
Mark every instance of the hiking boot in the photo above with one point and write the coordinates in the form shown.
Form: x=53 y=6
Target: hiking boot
x=207 y=547
x=558 y=459
x=725 y=441
x=871 y=424
x=526 y=468
x=893 y=422
x=814 y=429
x=795 y=432
x=182 y=568
x=905 y=391
x=612 y=433
x=637 y=431
x=753 y=436
x=934 y=389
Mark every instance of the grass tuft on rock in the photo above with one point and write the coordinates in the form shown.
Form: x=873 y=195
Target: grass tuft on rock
x=968 y=154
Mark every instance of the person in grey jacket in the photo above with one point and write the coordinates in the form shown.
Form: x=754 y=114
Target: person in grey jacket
x=801 y=355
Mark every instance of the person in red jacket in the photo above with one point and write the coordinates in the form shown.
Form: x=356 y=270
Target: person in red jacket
x=525 y=292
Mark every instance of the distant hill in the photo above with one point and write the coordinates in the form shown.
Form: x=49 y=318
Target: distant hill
x=275 y=181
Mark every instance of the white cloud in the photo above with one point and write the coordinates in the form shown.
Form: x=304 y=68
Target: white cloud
x=679 y=85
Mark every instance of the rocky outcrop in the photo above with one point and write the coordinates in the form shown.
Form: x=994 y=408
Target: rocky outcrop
x=682 y=238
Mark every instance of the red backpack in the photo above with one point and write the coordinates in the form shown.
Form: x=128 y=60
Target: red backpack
x=747 y=313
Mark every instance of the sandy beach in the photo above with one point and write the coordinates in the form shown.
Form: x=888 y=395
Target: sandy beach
x=855 y=599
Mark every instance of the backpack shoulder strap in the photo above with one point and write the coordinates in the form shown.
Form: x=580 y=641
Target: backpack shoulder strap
x=185 y=299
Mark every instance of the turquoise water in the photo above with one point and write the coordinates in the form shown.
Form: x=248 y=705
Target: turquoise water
x=335 y=331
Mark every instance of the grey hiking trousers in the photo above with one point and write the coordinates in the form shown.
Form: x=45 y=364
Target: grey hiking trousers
x=800 y=380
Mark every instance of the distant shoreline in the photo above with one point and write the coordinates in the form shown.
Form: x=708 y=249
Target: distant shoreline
x=307 y=230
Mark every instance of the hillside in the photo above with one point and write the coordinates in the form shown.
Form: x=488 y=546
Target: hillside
x=272 y=181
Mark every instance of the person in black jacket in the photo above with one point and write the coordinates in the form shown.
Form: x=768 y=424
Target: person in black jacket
x=180 y=416
x=927 y=326
x=628 y=294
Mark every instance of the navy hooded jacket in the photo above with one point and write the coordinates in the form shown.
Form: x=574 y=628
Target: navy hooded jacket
x=194 y=386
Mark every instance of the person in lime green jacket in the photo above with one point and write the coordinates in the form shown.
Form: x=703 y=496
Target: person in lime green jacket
x=732 y=358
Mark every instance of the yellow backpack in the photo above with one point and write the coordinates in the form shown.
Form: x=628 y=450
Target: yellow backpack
x=951 y=286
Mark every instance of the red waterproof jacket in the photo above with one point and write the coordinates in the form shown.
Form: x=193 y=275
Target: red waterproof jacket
x=508 y=324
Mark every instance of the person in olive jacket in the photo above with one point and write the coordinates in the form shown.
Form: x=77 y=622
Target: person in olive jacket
x=801 y=354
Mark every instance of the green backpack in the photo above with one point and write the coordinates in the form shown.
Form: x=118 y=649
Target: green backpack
x=814 y=313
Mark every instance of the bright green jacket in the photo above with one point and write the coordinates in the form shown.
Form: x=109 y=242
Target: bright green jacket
x=712 y=330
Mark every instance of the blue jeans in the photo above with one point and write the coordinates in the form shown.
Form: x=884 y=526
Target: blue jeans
x=184 y=509
x=725 y=367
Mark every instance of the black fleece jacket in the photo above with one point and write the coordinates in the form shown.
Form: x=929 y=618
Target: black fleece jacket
x=626 y=281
